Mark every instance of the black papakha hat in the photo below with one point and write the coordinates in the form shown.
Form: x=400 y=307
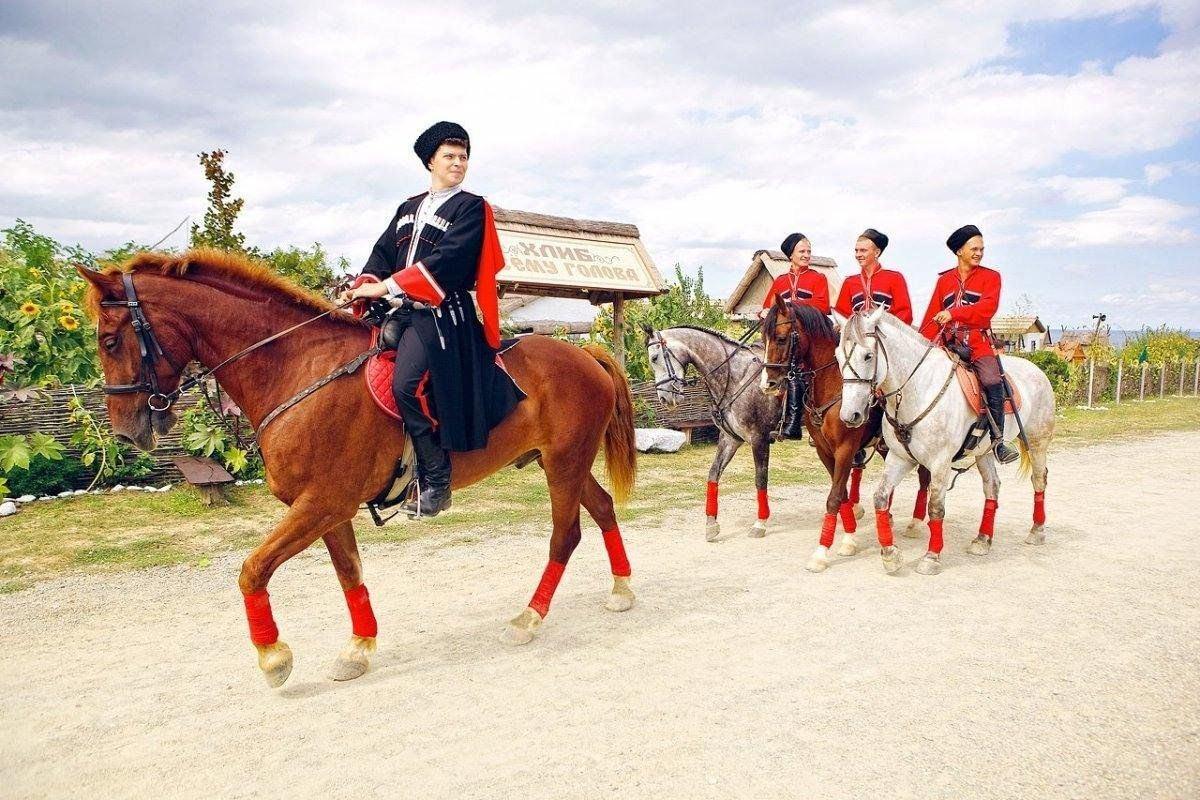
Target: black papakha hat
x=429 y=141
x=961 y=237
x=789 y=244
x=880 y=239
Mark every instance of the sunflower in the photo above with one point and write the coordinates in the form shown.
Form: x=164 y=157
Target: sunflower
x=68 y=322
x=30 y=309
x=66 y=306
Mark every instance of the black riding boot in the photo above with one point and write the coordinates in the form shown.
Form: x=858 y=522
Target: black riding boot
x=793 y=411
x=995 y=403
x=433 y=467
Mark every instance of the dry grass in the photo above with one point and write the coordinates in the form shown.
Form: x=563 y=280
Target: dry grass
x=133 y=530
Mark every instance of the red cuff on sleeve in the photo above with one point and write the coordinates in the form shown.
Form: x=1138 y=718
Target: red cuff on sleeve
x=419 y=284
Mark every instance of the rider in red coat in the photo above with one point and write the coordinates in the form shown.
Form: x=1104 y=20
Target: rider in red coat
x=801 y=286
x=873 y=284
x=960 y=316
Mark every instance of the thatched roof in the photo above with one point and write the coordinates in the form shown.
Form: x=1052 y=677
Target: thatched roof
x=1017 y=325
x=765 y=266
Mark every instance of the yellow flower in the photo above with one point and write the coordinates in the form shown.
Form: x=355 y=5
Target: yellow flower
x=68 y=322
x=30 y=309
x=35 y=273
x=66 y=306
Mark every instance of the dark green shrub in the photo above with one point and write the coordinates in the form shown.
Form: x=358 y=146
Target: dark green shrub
x=45 y=476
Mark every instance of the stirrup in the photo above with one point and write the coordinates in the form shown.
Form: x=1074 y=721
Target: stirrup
x=1004 y=454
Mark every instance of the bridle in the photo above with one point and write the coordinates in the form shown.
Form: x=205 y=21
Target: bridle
x=720 y=405
x=792 y=360
x=151 y=351
x=903 y=429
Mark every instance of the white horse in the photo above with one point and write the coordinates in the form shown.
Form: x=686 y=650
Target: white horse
x=927 y=418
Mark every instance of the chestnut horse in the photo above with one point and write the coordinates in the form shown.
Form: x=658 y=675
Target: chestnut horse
x=334 y=450
x=802 y=340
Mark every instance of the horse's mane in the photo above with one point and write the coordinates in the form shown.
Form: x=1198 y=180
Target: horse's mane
x=814 y=323
x=722 y=336
x=227 y=272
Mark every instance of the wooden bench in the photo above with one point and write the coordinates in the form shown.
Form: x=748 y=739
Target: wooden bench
x=209 y=477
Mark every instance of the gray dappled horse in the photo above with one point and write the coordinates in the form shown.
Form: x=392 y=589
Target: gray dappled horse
x=729 y=370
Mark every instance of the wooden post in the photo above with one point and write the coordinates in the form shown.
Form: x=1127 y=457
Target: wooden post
x=1120 y=375
x=1196 y=380
x=619 y=327
x=1091 y=379
x=1142 y=393
x=1162 y=380
x=1181 y=377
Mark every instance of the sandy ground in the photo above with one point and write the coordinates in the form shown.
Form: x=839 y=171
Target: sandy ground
x=1069 y=670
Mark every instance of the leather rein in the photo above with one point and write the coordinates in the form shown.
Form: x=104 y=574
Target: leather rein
x=151 y=351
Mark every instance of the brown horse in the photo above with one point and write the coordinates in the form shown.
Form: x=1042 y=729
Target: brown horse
x=329 y=453
x=801 y=339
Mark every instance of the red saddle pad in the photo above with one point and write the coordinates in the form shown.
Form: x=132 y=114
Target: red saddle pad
x=378 y=375
x=970 y=387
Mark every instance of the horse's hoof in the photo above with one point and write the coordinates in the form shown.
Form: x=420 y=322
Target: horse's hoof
x=980 y=546
x=893 y=559
x=914 y=528
x=712 y=530
x=354 y=661
x=758 y=530
x=1037 y=535
x=859 y=511
x=522 y=627
x=931 y=564
x=849 y=545
x=819 y=561
x=621 y=598
x=275 y=661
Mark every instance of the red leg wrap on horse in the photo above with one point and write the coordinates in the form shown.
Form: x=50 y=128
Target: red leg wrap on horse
x=545 y=590
x=764 y=508
x=846 y=510
x=710 y=505
x=855 y=482
x=828 y=526
x=920 y=506
x=935 y=535
x=883 y=526
x=988 y=523
x=258 y=614
x=616 y=553
x=1039 y=508
x=362 y=618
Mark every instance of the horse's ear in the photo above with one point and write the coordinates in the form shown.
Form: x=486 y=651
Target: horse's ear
x=647 y=331
x=875 y=315
x=105 y=284
x=781 y=305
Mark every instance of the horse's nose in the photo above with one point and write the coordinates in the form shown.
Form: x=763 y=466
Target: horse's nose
x=855 y=419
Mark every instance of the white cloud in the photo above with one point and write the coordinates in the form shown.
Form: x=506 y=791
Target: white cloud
x=1086 y=191
x=1133 y=220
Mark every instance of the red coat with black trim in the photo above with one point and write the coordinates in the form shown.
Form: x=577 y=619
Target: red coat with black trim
x=972 y=303
x=471 y=391
x=807 y=288
x=887 y=288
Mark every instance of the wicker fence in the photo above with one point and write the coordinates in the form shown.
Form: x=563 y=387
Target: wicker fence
x=49 y=414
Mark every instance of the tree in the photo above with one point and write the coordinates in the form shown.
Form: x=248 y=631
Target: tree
x=685 y=303
x=223 y=209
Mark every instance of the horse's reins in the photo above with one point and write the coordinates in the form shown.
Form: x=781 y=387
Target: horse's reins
x=720 y=405
x=151 y=350
x=791 y=363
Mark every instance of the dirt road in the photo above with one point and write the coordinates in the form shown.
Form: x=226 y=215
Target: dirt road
x=1069 y=670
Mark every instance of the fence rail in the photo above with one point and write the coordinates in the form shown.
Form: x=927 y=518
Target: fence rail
x=1095 y=382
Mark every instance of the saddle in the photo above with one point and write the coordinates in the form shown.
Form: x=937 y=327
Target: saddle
x=969 y=382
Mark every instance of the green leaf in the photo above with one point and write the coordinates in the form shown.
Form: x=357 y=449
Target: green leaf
x=14 y=453
x=3 y=488
x=235 y=459
x=47 y=447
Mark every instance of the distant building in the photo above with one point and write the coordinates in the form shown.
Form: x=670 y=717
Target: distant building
x=526 y=313
x=767 y=265
x=1022 y=334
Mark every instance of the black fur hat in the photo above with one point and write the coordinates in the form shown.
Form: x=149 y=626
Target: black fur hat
x=789 y=244
x=961 y=237
x=429 y=141
x=880 y=239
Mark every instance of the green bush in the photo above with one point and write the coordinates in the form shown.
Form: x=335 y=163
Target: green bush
x=1161 y=345
x=1055 y=367
x=46 y=476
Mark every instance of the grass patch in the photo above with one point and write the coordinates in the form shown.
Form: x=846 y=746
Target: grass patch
x=103 y=533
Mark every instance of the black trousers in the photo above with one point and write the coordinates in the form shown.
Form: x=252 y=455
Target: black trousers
x=410 y=385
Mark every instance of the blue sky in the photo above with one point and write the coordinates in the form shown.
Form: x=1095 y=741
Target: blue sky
x=1068 y=131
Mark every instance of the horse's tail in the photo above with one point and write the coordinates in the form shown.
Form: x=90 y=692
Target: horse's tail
x=620 y=448
x=1025 y=468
